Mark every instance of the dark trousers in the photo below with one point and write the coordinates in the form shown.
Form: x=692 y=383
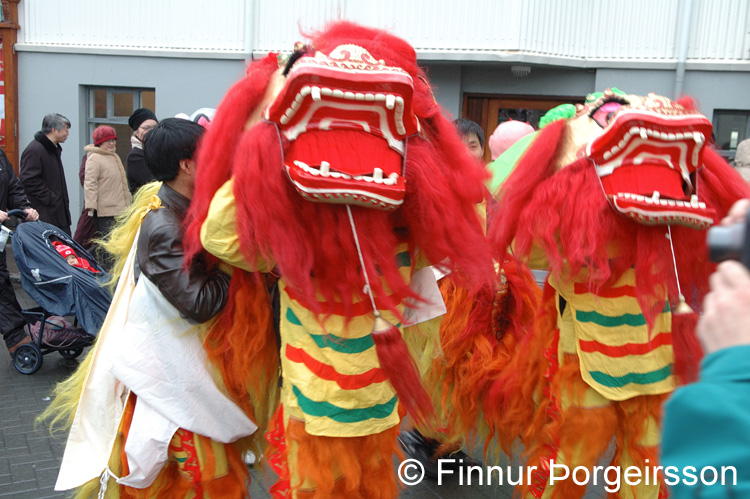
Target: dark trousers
x=11 y=320
x=103 y=227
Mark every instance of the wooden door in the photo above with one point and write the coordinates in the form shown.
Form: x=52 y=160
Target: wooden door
x=9 y=76
x=490 y=110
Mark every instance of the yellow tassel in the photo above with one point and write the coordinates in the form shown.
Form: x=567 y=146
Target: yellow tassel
x=682 y=307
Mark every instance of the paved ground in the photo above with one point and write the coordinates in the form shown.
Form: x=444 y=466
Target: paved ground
x=30 y=458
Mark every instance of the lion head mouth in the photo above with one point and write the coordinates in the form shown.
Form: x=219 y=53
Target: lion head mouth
x=347 y=116
x=647 y=156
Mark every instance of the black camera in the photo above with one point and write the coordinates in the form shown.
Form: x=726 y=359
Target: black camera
x=730 y=243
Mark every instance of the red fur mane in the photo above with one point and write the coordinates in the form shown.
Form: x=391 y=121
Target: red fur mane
x=309 y=239
x=566 y=215
x=216 y=149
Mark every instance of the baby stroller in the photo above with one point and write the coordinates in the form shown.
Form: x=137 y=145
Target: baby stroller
x=60 y=290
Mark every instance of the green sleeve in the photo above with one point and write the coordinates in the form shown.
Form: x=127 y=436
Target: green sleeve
x=504 y=164
x=708 y=424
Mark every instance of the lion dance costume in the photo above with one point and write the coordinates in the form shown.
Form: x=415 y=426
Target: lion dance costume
x=339 y=173
x=614 y=198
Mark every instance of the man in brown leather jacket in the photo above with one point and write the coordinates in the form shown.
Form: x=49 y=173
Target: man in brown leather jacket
x=169 y=150
x=178 y=428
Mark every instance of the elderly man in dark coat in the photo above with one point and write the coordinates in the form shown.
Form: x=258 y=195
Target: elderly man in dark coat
x=12 y=197
x=42 y=174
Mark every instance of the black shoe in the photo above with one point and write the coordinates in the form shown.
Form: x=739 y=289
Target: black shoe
x=460 y=460
x=422 y=449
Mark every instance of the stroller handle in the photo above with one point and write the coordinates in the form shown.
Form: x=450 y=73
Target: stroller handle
x=5 y=232
x=17 y=213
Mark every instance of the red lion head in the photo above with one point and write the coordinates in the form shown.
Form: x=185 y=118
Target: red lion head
x=350 y=119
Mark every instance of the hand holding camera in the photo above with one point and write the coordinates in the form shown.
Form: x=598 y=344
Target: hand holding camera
x=725 y=321
x=728 y=240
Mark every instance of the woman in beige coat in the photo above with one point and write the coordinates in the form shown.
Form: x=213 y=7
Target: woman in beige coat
x=105 y=185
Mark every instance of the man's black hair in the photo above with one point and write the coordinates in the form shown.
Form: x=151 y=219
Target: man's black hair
x=466 y=127
x=168 y=143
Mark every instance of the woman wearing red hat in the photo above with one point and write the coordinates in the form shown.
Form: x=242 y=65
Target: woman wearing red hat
x=106 y=187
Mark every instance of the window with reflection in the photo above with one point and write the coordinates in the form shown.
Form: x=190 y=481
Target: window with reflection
x=113 y=106
x=730 y=128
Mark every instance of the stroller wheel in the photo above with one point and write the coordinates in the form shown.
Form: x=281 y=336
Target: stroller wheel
x=27 y=359
x=71 y=353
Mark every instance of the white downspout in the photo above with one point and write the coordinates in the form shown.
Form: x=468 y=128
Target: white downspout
x=679 y=79
x=249 y=30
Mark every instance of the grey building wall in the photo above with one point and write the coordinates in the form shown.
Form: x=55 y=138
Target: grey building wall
x=446 y=85
x=541 y=81
x=451 y=81
x=55 y=82
x=637 y=81
x=719 y=90
x=711 y=89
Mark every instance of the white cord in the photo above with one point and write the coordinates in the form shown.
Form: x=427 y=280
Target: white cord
x=106 y=474
x=674 y=260
x=362 y=262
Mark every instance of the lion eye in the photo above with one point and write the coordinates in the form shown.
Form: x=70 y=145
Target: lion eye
x=603 y=114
